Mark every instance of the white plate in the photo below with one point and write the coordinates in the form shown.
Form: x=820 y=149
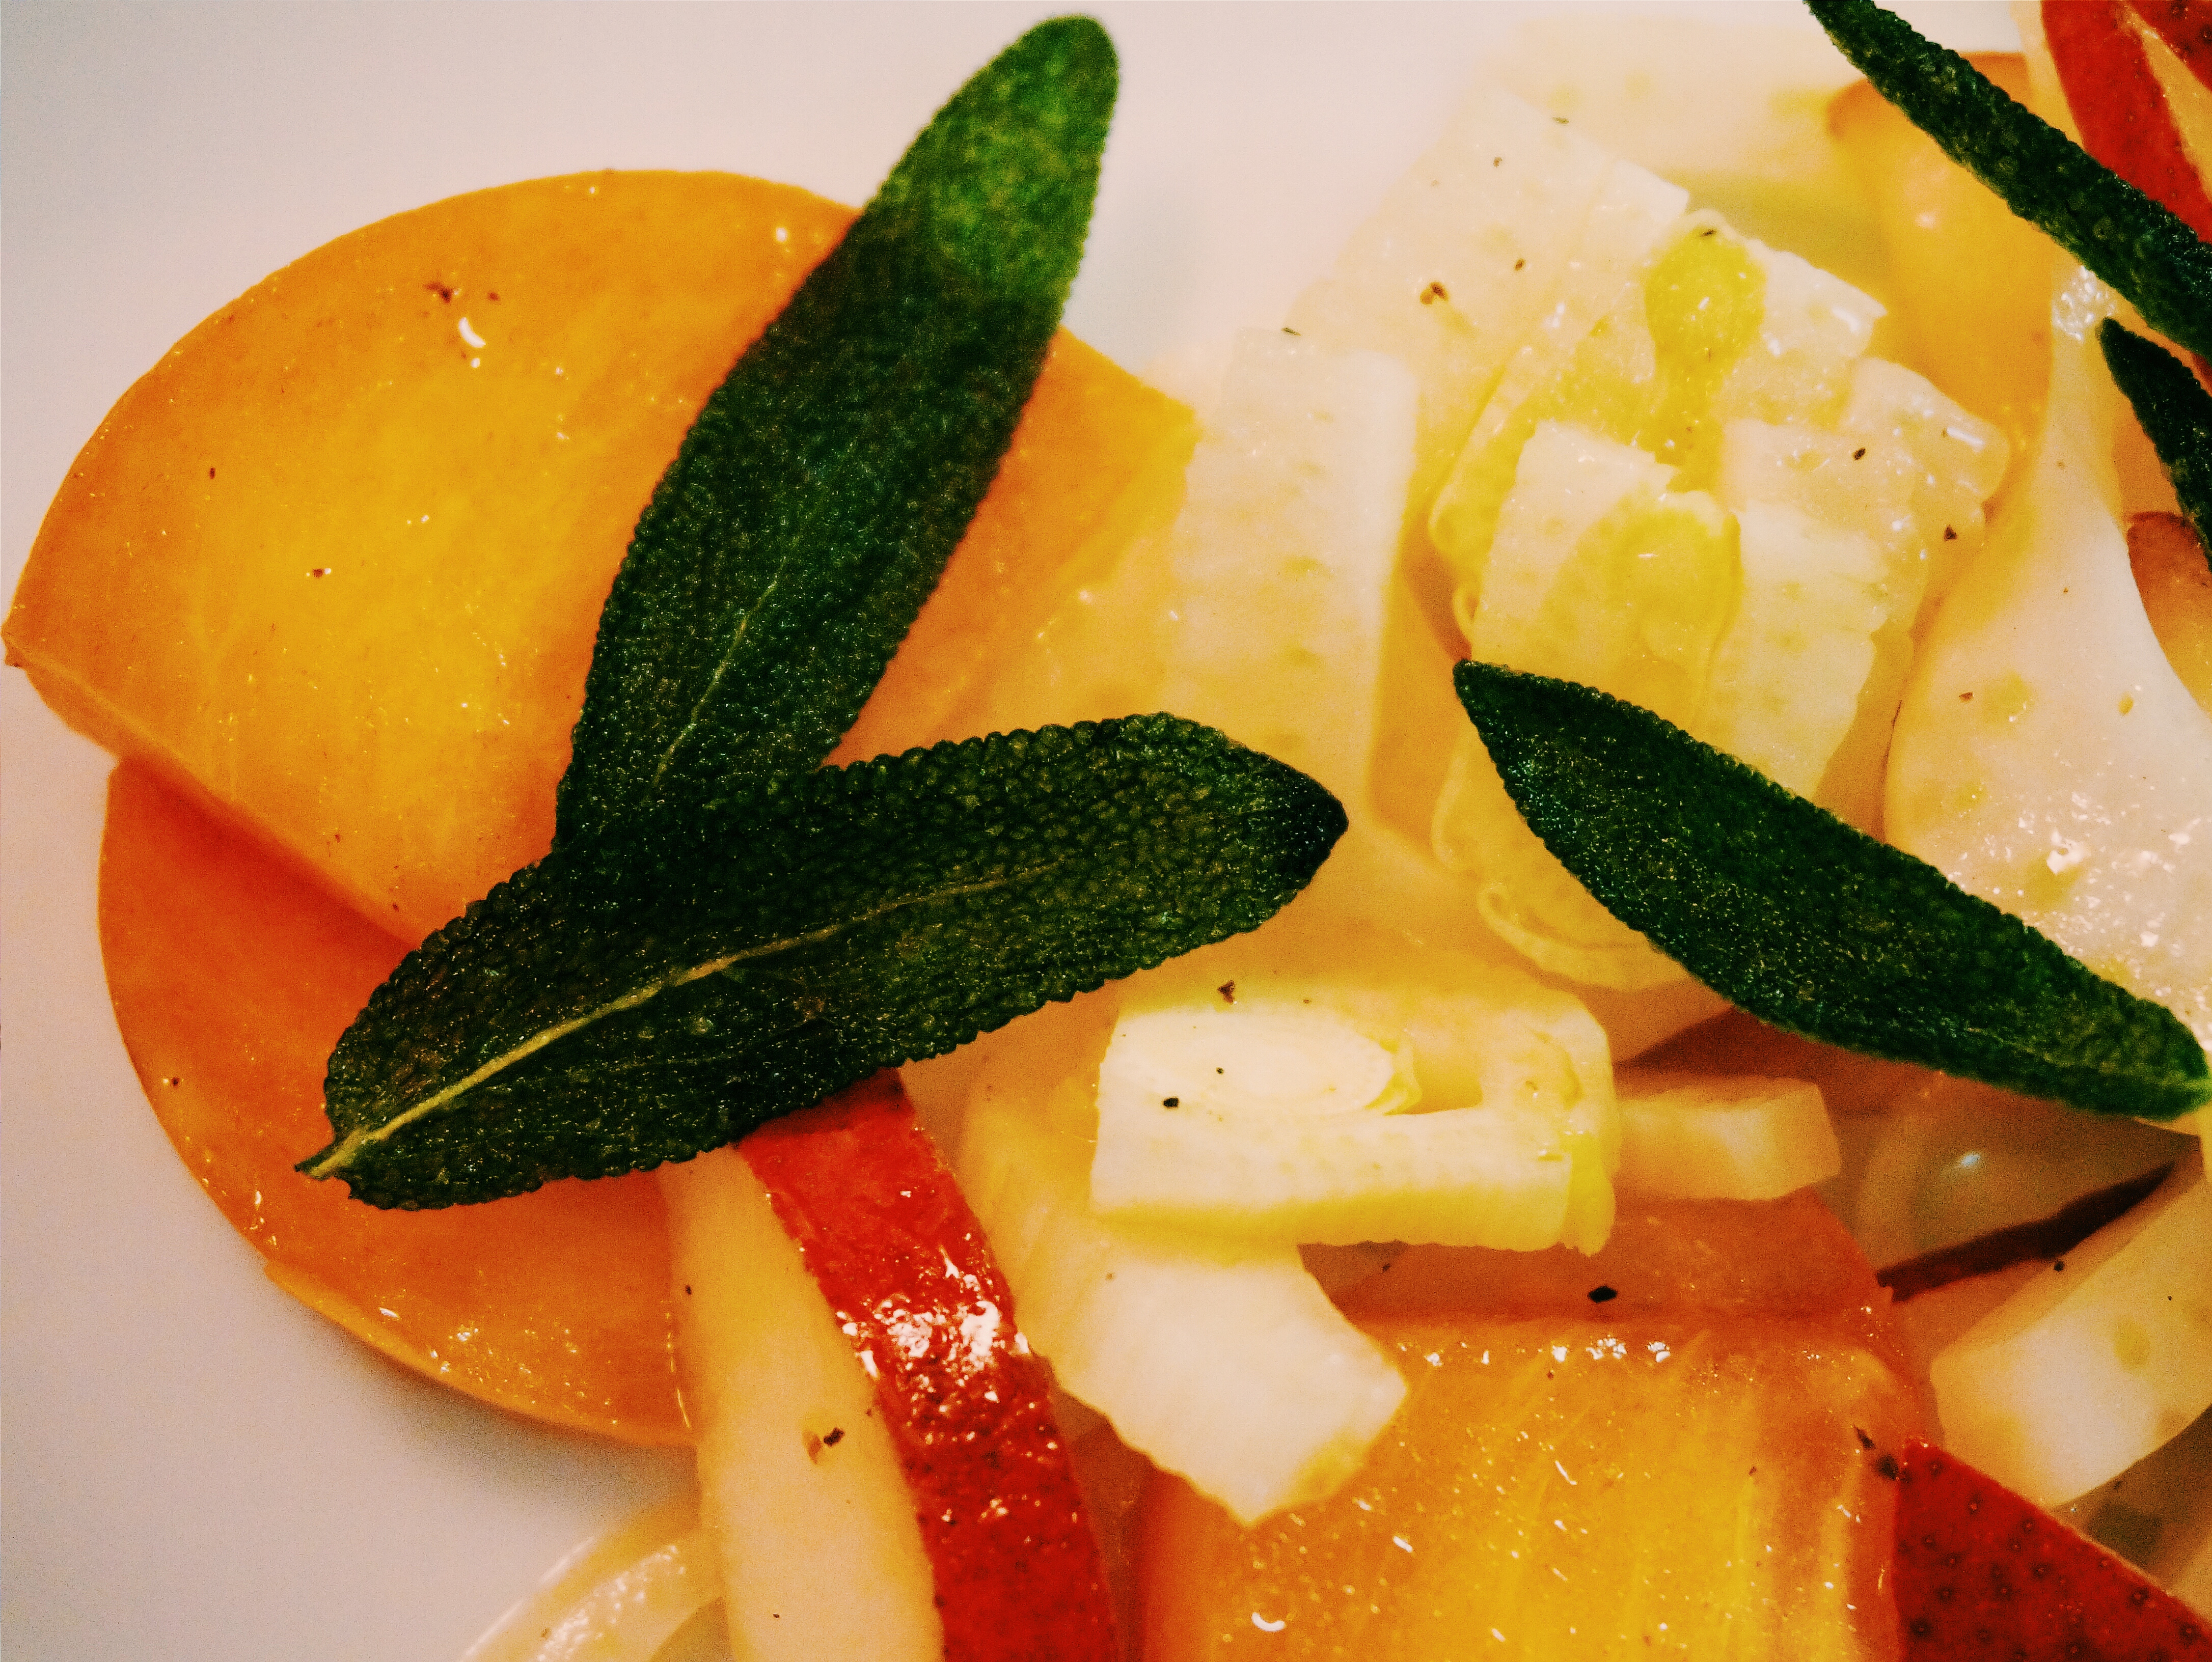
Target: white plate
x=196 y=1467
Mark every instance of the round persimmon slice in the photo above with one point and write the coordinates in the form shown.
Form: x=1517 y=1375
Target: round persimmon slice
x=328 y=578
x=232 y=975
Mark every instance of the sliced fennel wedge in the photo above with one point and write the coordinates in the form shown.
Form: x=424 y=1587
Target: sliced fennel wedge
x=1513 y=229
x=1689 y=1136
x=620 y=1598
x=1281 y=1122
x=1222 y=1361
x=1515 y=1080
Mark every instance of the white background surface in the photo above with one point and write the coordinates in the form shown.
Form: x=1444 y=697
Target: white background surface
x=195 y=1467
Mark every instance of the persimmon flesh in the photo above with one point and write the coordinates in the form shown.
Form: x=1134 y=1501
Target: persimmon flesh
x=328 y=578
x=1673 y=1447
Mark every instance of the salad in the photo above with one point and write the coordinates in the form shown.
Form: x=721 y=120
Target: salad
x=379 y=1555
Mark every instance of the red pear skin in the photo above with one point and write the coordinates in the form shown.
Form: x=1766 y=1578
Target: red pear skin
x=889 y=1239
x=1981 y=1572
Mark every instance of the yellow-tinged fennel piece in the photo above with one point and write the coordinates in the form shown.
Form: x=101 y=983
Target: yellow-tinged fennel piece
x=1279 y=563
x=1690 y=1137
x=1221 y=1360
x=1510 y=225
x=1473 y=1034
x=621 y=1597
x=1278 y=1121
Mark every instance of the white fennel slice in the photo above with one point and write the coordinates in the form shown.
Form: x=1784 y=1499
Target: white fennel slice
x=1787 y=678
x=1510 y=225
x=2096 y=1362
x=799 y=1483
x=619 y=1597
x=1637 y=515
x=2046 y=757
x=1763 y=156
x=1221 y=1361
x=1279 y=1122
x=1515 y=1076
x=1711 y=328
x=1848 y=533
x=1596 y=573
x=1690 y=1137
x=1279 y=563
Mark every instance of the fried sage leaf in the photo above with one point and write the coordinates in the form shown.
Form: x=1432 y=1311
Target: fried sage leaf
x=1808 y=923
x=639 y=997
x=2131 y=240
x=815 y=500
x=2176 y=414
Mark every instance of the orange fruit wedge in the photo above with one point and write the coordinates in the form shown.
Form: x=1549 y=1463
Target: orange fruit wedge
x=232 y=975
x=1678 y=1447
x=328 y=578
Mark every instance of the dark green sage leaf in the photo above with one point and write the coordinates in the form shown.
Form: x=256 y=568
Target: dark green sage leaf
x=2129 y=240
x=815 y=500
x=2176 y=413
x=1810 y=923
x=640 y=997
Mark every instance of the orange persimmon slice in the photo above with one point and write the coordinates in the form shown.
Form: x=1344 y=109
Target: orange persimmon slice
x=328 y=578
x=233 y=975
x=1677 y=1446
x=338 y=560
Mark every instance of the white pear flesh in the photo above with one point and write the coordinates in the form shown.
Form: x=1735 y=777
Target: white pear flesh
x=2091 y=1366
x=2047 y=758
x=799 y=1482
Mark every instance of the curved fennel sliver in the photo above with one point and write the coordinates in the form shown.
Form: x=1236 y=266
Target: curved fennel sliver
x=2047 y=758
x=619 y=1597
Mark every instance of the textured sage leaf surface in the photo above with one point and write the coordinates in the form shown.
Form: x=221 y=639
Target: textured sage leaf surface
x=1807 y=922
x=2131 y=240
x=816 y=498
x=2176 y=414
x=639 y=997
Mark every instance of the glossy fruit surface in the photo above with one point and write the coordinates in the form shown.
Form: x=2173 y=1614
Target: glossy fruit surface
x=1980 y=1572
x=332 y=751
x=338 y=560
x=881 y=1225
x=1674 y=1446
x=231 y=976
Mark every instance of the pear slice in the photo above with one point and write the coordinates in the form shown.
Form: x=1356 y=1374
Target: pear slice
x=2096 y=1363
x=2047 y=758
x=800 y=1481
